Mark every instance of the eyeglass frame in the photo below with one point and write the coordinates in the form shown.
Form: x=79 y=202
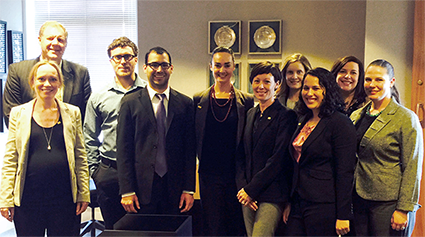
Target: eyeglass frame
x=163 y=65
x=131 y=57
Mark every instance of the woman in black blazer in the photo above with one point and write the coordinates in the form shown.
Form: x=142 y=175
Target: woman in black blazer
x=261 y=173
x=324 y=156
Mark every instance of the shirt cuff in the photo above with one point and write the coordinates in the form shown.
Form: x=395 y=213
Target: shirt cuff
x=128 y=194
x=189 y=192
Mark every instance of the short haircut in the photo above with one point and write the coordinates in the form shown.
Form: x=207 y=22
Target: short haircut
x=157 y=50
x=52 y=24
x=390 y=71
x=359 y=93
x=222 y=49
x=266 y=68
x=122 y=42
x=33 y=73
x=332 y=100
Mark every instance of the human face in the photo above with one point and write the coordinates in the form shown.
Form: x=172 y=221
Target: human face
x=222 y=67
x=313 y=93
x=46 y=82
x=158 y=79
x=378 y=83
x=348 y=77
x=53 y=43
x=123 y=68
x=264 y=87
x=294 y=75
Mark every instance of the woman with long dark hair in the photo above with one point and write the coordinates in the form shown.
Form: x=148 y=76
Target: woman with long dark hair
x=323 y=151
x=349 y=74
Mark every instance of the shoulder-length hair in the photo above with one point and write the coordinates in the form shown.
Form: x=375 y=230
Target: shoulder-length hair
x=33 y=73
x=332 y=100
x=283 y=90
x=359 y=92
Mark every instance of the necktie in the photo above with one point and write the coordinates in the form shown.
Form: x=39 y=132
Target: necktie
x=160 y=161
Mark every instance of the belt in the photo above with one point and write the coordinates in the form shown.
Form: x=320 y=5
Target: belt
x=109 y=162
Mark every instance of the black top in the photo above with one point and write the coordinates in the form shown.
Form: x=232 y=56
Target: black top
x=218 y=152
x=363 y=125
x=47 y=179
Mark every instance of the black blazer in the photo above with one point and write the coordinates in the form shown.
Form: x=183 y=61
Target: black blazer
x=17 y=90
x=263 y=169
x=137 y=142
x=325 y=171
x=201 y=100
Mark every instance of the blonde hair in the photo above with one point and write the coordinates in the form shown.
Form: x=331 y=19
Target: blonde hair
x=52 y=24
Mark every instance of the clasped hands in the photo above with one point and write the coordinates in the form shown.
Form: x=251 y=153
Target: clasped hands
x=246 y=200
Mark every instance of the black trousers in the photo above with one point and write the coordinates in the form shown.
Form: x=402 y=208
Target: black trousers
x=311 y=219
x=57 y=219
x=221 y=210
x=373 y=218
x=109 y=199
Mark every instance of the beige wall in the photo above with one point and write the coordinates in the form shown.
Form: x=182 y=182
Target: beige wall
x=322 y=30
x=389 y=35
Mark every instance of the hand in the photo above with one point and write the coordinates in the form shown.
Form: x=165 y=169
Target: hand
x=286 y=212
x=246 y=200
x=130 y=202
x=81 y=207
x=188 y=199
x=342 y=227
x=399 y=220
x=8 y=213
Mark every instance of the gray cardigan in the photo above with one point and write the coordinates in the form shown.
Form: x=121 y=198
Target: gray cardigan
x=390 y=157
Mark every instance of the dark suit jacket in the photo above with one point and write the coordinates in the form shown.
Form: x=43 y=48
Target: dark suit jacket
x=17 y=90
x=137 y=140
x=325 y=171
x=201 y=100
x=263 y=170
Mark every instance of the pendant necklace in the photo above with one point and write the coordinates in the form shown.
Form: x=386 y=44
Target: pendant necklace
x=48 y=139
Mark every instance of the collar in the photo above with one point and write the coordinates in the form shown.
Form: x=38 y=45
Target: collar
x=139 y=82
x=152 y=92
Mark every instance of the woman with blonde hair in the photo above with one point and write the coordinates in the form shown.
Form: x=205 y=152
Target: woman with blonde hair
x=45 y=178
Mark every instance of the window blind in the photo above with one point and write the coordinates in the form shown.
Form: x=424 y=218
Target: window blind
x=91 y=26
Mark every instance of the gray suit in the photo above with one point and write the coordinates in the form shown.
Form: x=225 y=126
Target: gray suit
x=17 y=90
x=390 y=157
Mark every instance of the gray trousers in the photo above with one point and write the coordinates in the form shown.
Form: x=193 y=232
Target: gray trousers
x=264 y=221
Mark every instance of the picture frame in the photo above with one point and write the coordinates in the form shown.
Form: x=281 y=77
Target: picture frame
x=250 y=67
x=264 y=37
x=3 y=33
x=224 y=33
x=15 y=46
x=236 y=77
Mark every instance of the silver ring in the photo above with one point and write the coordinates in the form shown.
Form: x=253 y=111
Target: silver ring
x=402 y=228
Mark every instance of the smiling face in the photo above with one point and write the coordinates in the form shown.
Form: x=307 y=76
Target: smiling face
x=264 y=88
x=123 y=68
x=348 y=77
x=222 y=66
x=158 y=79
x=46 y=82
x=294 y=75
x=313 y=93
x=378 y=83
x=53 y=43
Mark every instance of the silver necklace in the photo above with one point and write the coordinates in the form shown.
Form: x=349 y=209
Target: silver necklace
x=49 y=139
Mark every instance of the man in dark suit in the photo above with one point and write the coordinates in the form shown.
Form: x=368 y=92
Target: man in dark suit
x=156 y=144
x=53 y=40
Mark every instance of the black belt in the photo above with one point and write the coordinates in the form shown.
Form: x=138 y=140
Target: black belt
x=109 y=162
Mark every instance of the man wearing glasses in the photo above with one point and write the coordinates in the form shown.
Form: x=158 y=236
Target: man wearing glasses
x=101 y=116
x=156 y=144
x=53 y=40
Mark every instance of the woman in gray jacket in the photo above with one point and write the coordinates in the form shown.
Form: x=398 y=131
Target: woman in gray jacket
x=390 y=153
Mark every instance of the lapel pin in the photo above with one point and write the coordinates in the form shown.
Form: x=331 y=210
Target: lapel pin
x=269 y=118
x=199 y=107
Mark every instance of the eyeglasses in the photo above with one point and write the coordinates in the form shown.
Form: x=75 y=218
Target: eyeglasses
x=127 y=57
x=155 y=66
